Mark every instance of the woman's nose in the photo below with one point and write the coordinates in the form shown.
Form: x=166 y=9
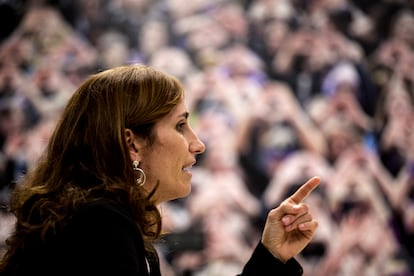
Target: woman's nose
x=197 y=146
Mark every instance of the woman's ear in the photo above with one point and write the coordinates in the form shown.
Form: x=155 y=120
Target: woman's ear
x=132 y=144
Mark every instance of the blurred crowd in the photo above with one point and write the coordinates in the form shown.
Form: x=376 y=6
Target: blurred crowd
x=278 y=90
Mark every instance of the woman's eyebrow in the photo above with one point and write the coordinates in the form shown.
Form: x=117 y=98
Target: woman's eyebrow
x=184 y=114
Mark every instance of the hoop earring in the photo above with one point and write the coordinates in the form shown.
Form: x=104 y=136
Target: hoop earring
x=142 y=177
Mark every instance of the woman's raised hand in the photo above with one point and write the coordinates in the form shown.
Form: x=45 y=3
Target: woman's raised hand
x=290 y=226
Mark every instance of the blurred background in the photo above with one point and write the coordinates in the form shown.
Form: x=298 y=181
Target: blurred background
x=278 y=90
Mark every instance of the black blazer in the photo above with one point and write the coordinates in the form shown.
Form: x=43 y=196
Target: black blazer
x=102 y=239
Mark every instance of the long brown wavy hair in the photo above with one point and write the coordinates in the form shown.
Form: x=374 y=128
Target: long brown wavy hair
x=87 y=157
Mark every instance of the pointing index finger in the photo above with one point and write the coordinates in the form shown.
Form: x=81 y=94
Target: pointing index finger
x=305 y=189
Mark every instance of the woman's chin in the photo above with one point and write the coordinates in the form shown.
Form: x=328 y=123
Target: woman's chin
x=179 y=193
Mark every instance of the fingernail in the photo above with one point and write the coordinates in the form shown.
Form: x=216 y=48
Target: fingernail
x=302 y=226
x=286 y=220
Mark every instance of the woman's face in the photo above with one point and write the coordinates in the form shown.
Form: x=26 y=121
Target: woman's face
x=169 y=159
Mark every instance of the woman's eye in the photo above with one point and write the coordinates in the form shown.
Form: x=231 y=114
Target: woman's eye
x=180 y=126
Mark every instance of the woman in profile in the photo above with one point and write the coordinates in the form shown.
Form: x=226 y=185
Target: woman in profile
x=122 y=146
